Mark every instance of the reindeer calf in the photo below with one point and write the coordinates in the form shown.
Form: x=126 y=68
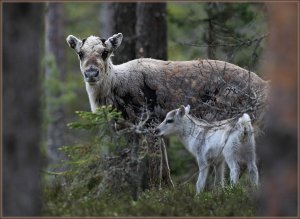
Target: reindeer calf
x=231 y=140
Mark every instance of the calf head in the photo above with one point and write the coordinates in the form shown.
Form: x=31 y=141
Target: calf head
x=173 y=121
x=94 y=53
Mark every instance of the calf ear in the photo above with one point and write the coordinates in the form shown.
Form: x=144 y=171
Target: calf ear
x=74 y=43
x=113 y=42
x=181 y=111
x=187 y=109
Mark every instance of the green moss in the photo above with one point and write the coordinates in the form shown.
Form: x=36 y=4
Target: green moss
x=182 y=201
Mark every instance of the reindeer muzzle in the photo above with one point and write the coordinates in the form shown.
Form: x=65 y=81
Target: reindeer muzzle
x=157 y=132
x=91 y=74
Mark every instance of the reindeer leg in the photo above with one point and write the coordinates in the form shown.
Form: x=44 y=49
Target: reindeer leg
x=203 y=171
x=234 y=169
x=220 y=174
x=253 y=173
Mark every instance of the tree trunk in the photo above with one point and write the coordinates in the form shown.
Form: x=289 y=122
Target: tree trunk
x=106 y=19
x=22 y=33
x=211 y=48
x=139 y=41
x=54 y=74
x=210 y=39
x=120 y=18
x=278 y=151
x=151 y=30
x=113 y=17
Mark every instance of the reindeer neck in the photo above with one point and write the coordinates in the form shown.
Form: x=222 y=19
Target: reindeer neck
x=122 y=70
x=99 y=92
x=189 y=132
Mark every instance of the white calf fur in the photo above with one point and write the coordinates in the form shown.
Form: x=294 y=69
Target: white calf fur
x=229 y=140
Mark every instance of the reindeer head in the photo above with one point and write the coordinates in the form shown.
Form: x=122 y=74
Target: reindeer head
x=93 y=54
x=173 y=121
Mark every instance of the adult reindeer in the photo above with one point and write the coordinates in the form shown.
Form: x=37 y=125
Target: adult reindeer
x=214 y=89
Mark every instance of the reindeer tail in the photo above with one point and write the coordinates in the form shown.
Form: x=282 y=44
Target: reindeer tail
x=245 y=123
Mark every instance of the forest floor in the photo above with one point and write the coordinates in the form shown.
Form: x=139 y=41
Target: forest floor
x=181 y=201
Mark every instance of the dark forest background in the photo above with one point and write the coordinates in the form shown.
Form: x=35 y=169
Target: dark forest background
x=47 y=163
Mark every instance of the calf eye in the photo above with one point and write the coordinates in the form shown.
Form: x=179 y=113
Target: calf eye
x=104 y=54
x=80 y=54
x=169 y=121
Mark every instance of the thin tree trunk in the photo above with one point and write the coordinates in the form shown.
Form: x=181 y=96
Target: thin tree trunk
x=211 y=48
x=54 y=71
x=106 y=19
x=211 y=38
x=120 y=18
x=22 y=33
x=151 y=30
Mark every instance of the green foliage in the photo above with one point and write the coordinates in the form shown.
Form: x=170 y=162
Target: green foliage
x=81 y=18
x=237 y=28
x=230 y=201
x=83 y=155
x=184 y=25
x=97 y=120
x=57 y=93
x=181 y=162
x=83 y=167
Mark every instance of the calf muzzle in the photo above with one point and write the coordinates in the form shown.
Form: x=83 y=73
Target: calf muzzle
x=157 y=131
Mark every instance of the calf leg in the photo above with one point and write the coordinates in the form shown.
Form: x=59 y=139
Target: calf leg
x=203 y=170
x=234 y=170
x=220 y=174
x=253 y=173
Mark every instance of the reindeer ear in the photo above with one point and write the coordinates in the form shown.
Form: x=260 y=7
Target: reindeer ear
x=74 y=43
x=113 y=42
x=181 y=111
x=187 y=109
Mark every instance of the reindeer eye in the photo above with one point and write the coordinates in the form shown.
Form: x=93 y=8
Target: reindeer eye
x=169 y=121
x=80 y=54
x=104 y=54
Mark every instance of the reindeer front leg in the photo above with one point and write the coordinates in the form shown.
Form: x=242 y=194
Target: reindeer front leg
x=203 y=171
x=253 y=173
x=234 y=170
x=220 y=174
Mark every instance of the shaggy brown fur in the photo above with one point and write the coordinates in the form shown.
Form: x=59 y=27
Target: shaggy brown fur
x=215 y=89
